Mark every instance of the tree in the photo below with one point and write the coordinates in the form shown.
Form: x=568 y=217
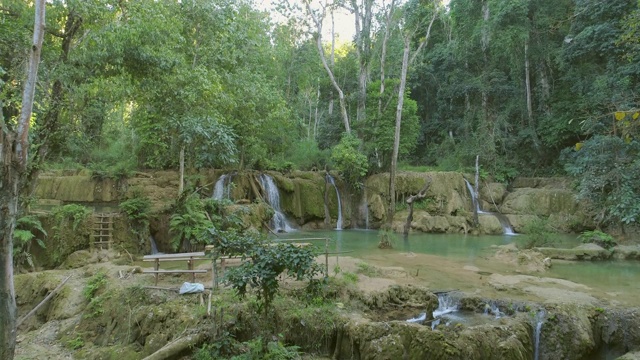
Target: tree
x=409 y=32
x=14 y=146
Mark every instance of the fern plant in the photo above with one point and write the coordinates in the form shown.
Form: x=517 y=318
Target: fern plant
x=23 y=237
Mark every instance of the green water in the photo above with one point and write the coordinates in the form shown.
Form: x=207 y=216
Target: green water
x=458 y=246
x=620 y=277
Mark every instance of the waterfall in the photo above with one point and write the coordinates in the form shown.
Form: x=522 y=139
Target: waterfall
x=364 y=210
x=331 y=180
x=222 y=188
x=539 y=319
x=272 y=197
x=504 y=221
x=154 y=247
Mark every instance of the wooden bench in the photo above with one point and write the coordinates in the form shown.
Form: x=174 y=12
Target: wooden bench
x=190 y=258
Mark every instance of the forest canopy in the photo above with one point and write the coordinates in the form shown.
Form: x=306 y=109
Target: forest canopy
x=533 y=87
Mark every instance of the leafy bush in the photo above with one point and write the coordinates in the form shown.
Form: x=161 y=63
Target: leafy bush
x=538 y=233
x=349 y=160
x=189 y=223
x=23 y=237
x=265 y=261
x=305 y=155
x=606 y=169
x=599 y=238
x=137 y=209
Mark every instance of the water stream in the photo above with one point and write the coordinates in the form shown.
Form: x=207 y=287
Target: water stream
x=504 y=222
x=332 y=181
x=154 y=247
x=222 y=188
x=272 y=197
x=539 y=320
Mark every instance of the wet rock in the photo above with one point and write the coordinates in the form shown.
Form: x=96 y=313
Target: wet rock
x=582 y=252
x=626 y=252
x=567 y=333
x=489 y=224
x=493 y=193
x=542 y=202
x=529 y=261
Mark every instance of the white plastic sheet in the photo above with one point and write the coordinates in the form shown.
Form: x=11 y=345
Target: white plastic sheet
x=191 y=288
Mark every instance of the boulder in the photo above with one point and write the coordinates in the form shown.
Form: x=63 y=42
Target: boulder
x=542 y=202
x=493 y=193
x=582 y=252
x=528 y=261
x=626 y=252
x=489 y=224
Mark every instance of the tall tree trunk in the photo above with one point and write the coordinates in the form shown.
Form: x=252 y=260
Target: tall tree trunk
x=396 y=138
x=181 y=185
x=13 y=153
x=332 y=58
x=527 y=77
x=343 y=106
x=383 y=55
x=363 y=16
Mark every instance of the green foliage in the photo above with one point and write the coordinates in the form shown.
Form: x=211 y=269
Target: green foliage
x=348 y=159
x=94 y=293
x=275 y=350
x=368 y=270
x=73 y=213
x=96 y=283
x=538 y=233
x=606 y=169
x=305 y=155
x=599 y=238
x=387 y=239
x=23 y=237
x=189 y=223
x=137 y=210
x=350 y=277
x=75 y=343
x=265 y=261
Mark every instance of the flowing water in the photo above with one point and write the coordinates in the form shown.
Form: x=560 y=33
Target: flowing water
x=272 y=196
x=222 y=188
x=332 y=181
x=539 y=321
x=507 y=229
x=154 y=247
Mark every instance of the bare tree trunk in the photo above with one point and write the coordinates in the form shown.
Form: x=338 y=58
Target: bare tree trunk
x=332 y=59
x=343 y=106
x=410 y=200
x=527 y=77
x=13 y=153
x=181 y=185
x=383 y=55
x=396 y=140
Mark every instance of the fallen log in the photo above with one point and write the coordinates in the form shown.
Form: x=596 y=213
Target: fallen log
x=410 y=200
x=177 y=347
x=21 y=320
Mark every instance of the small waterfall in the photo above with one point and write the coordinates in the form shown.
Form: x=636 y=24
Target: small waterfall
x=492 y=308
x=331 y=180
x=504 y=221
x=539 y=320
x=154 y=247
x=272 y=196
x=446 y=305
x=222 y=188
x=364 y=210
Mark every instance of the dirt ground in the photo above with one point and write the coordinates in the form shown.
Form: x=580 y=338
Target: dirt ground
x=487 y=278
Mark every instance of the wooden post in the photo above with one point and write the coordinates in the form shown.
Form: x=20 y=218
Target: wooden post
x=156 y=267
x=326 y=257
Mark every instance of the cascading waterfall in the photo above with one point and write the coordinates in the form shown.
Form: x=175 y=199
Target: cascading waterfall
x=331 y=180
x=364 y=210
x=272 y=196
x=222 y=188
x=504 y=222
x=446 y=305
x=154 y=247
x=539 y=319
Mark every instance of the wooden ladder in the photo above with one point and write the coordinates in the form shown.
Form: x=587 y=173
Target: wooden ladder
x=101 y=235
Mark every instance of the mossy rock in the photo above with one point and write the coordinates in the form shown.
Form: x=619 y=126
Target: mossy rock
x=542 y=202
x=582 y=252
x=493 y=193
x=489 y=224
x=567 y=333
